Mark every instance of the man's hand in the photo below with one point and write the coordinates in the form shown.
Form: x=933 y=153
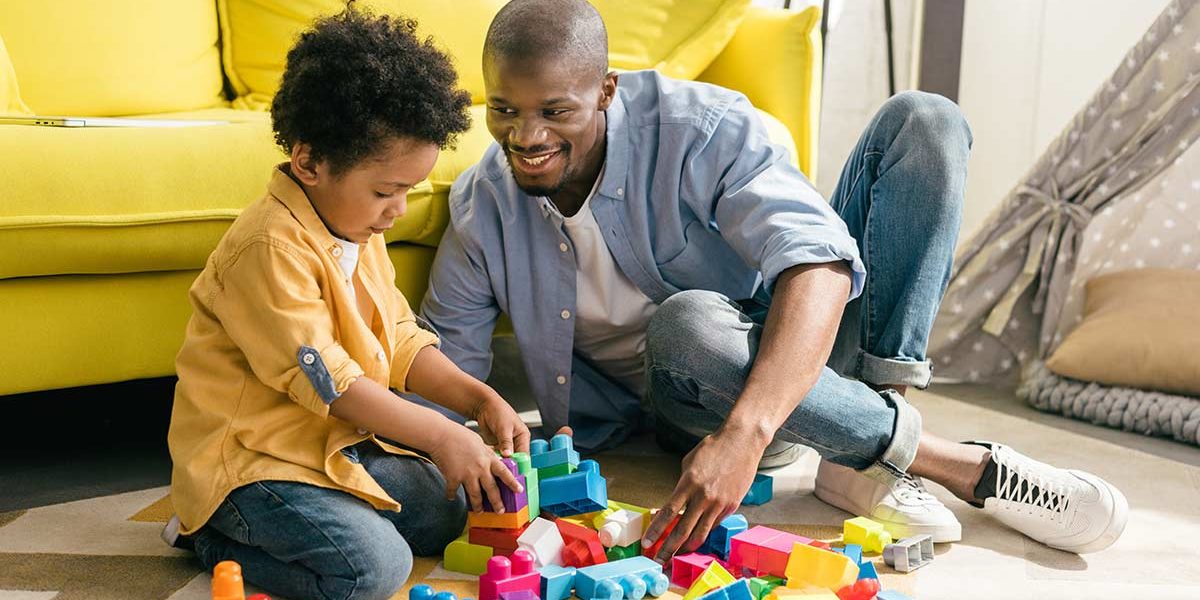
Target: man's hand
x=500 y=426
x=717 y=473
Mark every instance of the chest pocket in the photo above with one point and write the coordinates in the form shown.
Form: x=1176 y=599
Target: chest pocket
x=708 y=262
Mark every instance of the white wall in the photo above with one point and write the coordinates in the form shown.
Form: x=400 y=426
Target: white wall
x=1027 y=68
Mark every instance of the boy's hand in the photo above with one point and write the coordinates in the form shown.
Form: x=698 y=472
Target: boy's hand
x=464 y=459
x=500 y=426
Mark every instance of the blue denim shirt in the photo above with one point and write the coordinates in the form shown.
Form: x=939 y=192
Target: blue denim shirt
x=693 y=196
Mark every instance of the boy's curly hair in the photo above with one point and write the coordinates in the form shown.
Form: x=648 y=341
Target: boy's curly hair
x=354 y=81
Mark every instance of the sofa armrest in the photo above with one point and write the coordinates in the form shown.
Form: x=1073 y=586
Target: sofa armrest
x=774 y=59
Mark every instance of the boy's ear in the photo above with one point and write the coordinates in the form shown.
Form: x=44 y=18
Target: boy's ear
x=304 y=168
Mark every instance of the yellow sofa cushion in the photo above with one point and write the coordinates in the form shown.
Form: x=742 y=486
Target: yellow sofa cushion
x=10 y=92
x=258 y=33
x=164 y=58
x=1139 y=330
x=677 y=37
x=775 y=59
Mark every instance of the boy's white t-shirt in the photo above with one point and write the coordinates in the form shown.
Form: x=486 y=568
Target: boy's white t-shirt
x=611 y=312
x=348 y=261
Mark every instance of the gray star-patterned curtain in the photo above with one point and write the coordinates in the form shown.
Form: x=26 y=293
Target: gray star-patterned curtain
x=1004 y=305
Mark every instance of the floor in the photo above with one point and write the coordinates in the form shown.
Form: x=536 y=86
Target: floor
x=107 y=443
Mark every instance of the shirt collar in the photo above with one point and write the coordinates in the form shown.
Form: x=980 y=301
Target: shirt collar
x=616 y=155
x=287 y=191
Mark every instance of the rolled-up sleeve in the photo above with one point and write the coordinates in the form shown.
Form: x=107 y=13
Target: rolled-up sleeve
x=763 y=206
x=270 y=304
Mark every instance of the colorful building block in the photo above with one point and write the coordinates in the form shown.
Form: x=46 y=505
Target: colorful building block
x=686 y=568
x=583 y=491
x=519 y=595
x=763 y=550
x=738 y=590
x=760 y=490
x=909 y=554
x=543 y=540
x=461 y=556
x=809 y=566
x=525 y=467
x=713 y=577
x=863 y=589
x=621 y=528
x=557 y=582
x=421 y=592
x=491 y=520
x=866 y=570
x=582 y=545
x=761 y=586
x=503 y=541
x=559 y=451
x=808 y=593
x=652 y=550
x=629 y=579
x=505 y=575
x=866 y=533
x=513 y=501
x=718 y=539
x=891 y=595
x=227 y=581
x=620 y=552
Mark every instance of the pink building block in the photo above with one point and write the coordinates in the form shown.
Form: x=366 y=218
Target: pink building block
x=685 y=568
x=504 y=575
x=763 y=550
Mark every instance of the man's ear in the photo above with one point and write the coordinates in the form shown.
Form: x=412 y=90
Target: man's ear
x=608 y=90
x=304 y=168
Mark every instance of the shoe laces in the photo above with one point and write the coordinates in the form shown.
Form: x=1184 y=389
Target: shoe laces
x=1029 y=488
x=910 y=489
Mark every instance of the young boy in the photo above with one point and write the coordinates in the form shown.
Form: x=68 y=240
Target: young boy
x=298 y=331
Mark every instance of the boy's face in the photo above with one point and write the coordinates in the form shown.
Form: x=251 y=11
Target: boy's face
x=548 y=116
x=368 y=197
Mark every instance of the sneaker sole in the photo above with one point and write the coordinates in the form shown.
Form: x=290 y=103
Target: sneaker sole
x=940 y=534
x=1116 y=522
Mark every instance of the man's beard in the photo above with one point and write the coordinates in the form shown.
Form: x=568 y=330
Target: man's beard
x=542 y=190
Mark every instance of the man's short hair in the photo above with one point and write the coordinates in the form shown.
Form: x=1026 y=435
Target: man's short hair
x=537 y=29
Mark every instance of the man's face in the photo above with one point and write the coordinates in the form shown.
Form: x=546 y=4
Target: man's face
x=548 y=116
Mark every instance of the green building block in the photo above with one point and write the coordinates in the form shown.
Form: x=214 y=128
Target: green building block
x=525 y=467
x=562 y=469
x=619 y=552
x=761 y=586
x=464 y=557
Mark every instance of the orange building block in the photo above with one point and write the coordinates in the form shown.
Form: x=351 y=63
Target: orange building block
x=491 y=520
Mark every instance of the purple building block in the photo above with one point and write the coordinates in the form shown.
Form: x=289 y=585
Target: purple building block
x=513 y=501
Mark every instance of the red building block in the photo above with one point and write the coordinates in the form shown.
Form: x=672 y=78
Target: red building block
x=652 y=550
x=503 y=541
x=863 y=589
x=763 y=550
x=581 y=546
x=504 y=575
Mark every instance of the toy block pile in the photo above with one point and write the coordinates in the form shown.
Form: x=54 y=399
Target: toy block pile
x=563 y=536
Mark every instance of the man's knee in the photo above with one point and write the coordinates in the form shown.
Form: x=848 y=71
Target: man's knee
x=682 y=322
x=931 y=115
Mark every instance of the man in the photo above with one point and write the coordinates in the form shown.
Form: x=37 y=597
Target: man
x=662 y=263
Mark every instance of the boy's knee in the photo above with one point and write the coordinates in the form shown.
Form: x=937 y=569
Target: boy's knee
x=375 y=569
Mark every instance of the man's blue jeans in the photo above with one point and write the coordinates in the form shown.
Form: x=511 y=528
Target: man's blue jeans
x=303 y=541
x=901 y=195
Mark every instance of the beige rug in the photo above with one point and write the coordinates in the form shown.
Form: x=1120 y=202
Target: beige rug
x=109 y=547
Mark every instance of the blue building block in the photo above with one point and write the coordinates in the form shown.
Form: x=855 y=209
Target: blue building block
x=891 y=595
x=560 y=450
x=445 y=596
x=626 y=579
x=738 y=590
x=557 y=582
x=867 y=571
x=583 y=491
x=760 y=490
x=718 y=539
x=420 y=592
x=853 y=552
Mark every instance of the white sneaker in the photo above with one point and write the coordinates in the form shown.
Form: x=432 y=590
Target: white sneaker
x=905 y=509
x=170 y=535
x=1065 y=509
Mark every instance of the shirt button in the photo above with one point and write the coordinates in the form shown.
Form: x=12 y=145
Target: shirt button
x=566 y=314
x=620 y=191
x=337 y=251
x=362 y=431
x=561 y=380
x=381 y=356
x=309 y=358
x=562 y=246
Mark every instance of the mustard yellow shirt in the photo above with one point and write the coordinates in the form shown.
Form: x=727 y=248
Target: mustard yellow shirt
x=275 y=335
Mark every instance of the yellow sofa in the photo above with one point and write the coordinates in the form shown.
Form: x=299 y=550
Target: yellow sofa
x=102 y=230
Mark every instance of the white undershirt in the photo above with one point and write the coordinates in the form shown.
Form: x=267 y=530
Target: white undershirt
x=611 y=312
x=348 y=261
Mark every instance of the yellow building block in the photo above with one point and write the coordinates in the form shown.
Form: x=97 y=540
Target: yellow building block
x=806 y=593
x=812 y=566
x=713 y=577
x=493 y=520
x=461 y=556
x=866 y=533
